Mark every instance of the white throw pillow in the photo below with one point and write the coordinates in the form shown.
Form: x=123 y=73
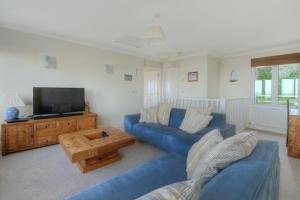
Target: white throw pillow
x=223 y=154
x=194 y=121
x=149 y=115
x=185 y=190
x=200 y=149
x=164 y=114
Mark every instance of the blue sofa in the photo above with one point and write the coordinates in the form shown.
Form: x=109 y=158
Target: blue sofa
x=171 y=138
x=253 y=178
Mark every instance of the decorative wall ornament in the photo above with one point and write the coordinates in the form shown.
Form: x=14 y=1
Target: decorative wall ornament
x=233 y=76
x=109 y=69
x=50 y=62
x=192 y=76
x=127 y=77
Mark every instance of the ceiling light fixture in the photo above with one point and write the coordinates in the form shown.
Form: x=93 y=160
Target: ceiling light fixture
x=154 y=34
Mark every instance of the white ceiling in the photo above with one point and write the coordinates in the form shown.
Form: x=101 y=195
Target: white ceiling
x=224 y=27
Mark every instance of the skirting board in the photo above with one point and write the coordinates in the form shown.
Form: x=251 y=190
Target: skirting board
x=279 y=130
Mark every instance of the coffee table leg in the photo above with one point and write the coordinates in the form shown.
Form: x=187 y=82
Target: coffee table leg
x=97 y=162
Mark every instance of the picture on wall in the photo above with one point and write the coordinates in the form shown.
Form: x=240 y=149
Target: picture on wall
x=192 y=76
x=127 y=77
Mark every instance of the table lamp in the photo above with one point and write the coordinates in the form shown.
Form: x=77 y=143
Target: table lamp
x=11 y=101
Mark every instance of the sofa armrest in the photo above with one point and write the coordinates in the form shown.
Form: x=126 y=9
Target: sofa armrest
x=130 y=120
x=227 y=130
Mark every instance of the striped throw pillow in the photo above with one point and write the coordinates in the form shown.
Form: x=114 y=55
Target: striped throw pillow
x=200 y=149
x=223 y=154
x=185 y=190
x=194 y=121
x=164 y=114
x=149 y=115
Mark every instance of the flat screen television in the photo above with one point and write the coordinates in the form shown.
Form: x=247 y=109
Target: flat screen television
x=58 y=101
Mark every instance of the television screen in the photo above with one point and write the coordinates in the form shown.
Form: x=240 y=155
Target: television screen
x=48 y=101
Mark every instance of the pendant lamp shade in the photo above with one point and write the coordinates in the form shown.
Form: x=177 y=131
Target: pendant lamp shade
x=154 y=35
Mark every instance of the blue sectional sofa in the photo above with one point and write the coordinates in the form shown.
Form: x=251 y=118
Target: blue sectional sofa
x=253 y=178
x=171 y=138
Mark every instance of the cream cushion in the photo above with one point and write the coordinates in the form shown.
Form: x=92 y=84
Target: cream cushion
x=185 y=190
x=203 y=110
x=149 y=115
x=223 y=154
x=164 y=114
x=194 y=121
x=200 y=149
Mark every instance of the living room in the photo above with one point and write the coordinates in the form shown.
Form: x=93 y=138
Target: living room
x=149 y=100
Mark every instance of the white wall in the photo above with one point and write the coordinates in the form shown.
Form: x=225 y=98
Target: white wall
x=241 y=88
x=213 y=77
x=176 y=75
x=265 y=117
x=192 y=89
x=21 y=68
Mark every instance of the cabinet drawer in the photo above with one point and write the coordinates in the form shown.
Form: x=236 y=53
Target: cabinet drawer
x=66 y=126
x=43 y=141
x=45 y=125
x=87 y=123
x=294 y=151
x=43 y=129
x=292 y=124
x=292 y=136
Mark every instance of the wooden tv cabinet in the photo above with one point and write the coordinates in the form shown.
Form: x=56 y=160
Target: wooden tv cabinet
x=36 y=133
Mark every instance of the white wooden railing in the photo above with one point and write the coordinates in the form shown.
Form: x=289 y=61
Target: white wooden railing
x=236 y=110
x=218 y=105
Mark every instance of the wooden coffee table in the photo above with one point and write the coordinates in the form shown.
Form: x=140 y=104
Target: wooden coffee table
x=89 y=150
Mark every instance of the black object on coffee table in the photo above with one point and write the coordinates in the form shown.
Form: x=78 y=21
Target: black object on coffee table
x=104 y=134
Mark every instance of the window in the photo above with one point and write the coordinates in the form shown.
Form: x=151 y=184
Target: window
x=288 y=76
x=276 y=79
x=276 y=84
x=263 y=85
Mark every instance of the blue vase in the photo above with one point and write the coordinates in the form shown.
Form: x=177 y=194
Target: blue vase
x=12 y=113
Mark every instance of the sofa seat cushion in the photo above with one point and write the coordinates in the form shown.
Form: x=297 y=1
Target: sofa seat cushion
x=165 y=137
x=138 y=181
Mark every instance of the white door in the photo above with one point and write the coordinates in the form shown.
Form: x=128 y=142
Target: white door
x=170 y=82
x=151 y=87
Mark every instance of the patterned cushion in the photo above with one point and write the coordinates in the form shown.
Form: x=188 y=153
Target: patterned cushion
x=185 y=190
x=201 y=148
x=164 y=114
x=223 y=154
x=149 y=115
x=194 y=121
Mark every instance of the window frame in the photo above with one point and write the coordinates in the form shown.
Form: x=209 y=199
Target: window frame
x=274 y=93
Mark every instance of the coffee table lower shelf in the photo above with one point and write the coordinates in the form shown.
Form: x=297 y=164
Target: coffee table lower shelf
x=97 y=162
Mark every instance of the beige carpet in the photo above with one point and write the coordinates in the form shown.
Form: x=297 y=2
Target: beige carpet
x=47 y=174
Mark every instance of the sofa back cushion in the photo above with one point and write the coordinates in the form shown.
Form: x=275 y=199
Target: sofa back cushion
x=177 y=116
